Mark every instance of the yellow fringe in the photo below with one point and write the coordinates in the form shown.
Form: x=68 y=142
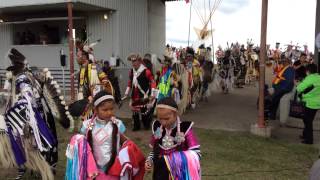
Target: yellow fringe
x=168 y=166
x=185 y=90
x=36 y=162
x=7 y=159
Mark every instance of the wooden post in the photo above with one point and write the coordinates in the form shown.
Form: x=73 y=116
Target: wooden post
x=317 y=31
x=263 y=53
x=71 y=47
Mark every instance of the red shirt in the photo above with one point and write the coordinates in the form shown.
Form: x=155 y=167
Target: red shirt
x=136 y=90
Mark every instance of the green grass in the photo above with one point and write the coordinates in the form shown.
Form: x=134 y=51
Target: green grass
x=231 y=155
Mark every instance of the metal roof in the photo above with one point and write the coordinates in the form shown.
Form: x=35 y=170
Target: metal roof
x=171 y=0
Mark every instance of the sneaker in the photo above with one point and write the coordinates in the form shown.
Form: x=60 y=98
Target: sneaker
x=21 y=173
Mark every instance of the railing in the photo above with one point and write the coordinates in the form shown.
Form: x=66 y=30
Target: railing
x=57 y=74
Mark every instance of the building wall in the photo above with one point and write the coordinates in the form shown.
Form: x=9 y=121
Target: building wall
x=106 y=30
x=134 y=26
x=125 y=31
x=5 y=44
x=36 y=55
x=139 y=25
x=157 y=26
x=43 y=55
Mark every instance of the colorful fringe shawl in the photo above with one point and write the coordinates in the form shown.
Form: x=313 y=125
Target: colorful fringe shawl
x=183 y=165
x=80 y=161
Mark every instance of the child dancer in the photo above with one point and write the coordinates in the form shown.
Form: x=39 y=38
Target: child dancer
x=176 y=152
x=103 y=152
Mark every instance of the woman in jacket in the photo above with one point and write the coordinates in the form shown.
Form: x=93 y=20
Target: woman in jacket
x=309 y=90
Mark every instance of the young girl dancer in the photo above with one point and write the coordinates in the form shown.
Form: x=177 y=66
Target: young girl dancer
x=103 y=152
x=176 y=151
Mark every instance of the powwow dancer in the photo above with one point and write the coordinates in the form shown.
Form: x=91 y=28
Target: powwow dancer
x=225 y=77
x=142 y=86
x=111 y=82
x=289 y=51
x=182 y=79
x=176 y=151
x=101 y=151
x=167 y=80
x=206 y=70
x=276 y=59
x=30 y=139
x=251 y=58
x=195 y=77
x=91 y=80
x=240 y=66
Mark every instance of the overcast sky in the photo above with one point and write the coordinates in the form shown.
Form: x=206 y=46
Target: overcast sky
x=238 y=20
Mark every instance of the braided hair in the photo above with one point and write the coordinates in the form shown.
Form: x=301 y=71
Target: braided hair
x=99 y=99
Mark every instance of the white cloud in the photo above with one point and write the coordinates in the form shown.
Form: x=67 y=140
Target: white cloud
x=288 y=20
x=231 y=6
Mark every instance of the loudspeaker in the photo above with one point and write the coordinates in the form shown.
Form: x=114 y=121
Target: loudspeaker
x=118 y=62
x=63 y=60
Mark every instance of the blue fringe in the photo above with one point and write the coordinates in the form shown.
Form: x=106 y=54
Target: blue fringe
x=72 y=168
x=184 y=168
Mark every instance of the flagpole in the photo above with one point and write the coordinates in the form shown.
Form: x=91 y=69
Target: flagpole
x=189 y=22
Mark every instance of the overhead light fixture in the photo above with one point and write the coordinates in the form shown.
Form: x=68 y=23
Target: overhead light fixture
x=105 y=16
x=1 y=21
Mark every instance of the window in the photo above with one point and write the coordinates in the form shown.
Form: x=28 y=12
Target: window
x=47 y=32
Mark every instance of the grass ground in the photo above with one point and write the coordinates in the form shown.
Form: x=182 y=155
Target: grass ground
x=229 y=155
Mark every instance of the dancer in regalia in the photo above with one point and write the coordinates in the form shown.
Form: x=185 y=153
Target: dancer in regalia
x=142 y=86
x=30 y=139
x=167 y=80
x=91 y=80
x=195 y=77
x=207 y=71
x=111 y=82
x=225 y=77
x=102 y=151
x=240 y=66
x=176 y=151
x=251 y=61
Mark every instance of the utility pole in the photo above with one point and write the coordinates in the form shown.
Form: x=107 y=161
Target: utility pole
x=263 y=53
x=317 y=31
x=260 y=128
x=71 y=47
